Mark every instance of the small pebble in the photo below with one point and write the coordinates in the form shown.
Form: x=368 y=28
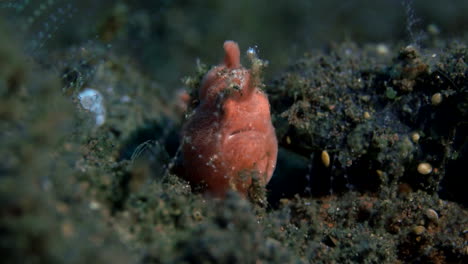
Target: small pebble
x=93 y=205
x=367 y=115
x=415 y=137
x=419 y=230
x=424 y=168
x=436 y=99
x=382 y=49
x=432 y=215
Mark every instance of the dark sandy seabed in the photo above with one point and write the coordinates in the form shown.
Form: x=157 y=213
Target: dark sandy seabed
x=380 y=90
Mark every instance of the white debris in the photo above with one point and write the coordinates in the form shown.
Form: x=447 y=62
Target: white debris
x=125 y=99
x=382 y=49
x=93 y=205
x=251 y=53
x=92 y=101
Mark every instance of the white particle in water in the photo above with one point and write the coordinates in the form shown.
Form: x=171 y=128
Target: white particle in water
x=92 y=101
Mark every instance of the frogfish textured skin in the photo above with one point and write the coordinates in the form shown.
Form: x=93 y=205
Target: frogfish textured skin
x=229 y=138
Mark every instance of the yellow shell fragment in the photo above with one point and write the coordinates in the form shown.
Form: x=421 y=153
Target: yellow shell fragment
x=367 y=115
x=424 y=168
x=379 y=173
x=415 y=137
x=432 y=215
x=436 y=98
x=325 y=158
x=419 y=230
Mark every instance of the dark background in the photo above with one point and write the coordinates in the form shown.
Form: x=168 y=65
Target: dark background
x=166 y=37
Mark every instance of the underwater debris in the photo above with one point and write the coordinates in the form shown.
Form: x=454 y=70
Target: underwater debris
x=325 y=158
x=92 y=101
x=424 y=168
